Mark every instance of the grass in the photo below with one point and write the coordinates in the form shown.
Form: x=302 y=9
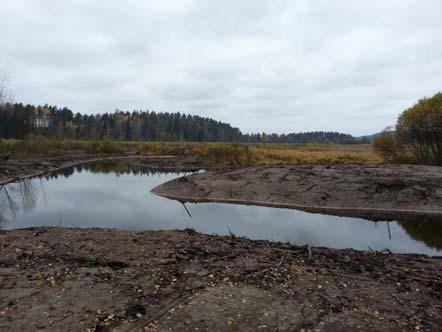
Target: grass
x=253 y=154
x=110 y=147
x=41 y=146
x=35 y=147
x=213 y=154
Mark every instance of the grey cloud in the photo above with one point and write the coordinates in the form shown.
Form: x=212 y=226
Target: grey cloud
x=274 y=66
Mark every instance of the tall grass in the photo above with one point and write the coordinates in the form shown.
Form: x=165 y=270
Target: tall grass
x=228 y=154
x=36 y=146
x=41 y=146
x=106 y=146
x=212 y=154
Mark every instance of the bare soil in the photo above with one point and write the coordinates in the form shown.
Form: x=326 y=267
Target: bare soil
x=371 y=191
x=61 y=279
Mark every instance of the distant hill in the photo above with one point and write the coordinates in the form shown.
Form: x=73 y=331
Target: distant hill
x=366 y=138
x=369 y=138
x=321 y=137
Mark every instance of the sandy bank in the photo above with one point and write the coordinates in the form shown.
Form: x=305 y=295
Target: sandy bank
x=371 y=191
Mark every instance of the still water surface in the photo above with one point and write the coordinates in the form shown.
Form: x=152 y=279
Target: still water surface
x=118 y=195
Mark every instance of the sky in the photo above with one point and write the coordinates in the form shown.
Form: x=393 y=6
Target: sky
x=263 y=66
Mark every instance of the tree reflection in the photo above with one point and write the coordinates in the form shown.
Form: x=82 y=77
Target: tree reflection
x=110 y=167
x=23 y=196
x=120 y=168
x=8 y=207
x=15 y=197
x=424 y=229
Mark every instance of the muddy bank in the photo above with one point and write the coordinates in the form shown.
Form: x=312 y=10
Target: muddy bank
x=370 y=191
x=17 y=169
x=55 y=279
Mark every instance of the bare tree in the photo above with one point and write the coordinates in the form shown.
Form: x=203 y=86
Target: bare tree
x=2 y=89
x=4 y=93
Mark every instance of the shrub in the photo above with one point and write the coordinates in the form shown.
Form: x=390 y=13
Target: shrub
x=110 y=147
x=93 y=146
x=420 y=127
x=387 y=146
x=103 y=147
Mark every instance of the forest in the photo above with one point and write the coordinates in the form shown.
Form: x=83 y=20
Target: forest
x=18 y=121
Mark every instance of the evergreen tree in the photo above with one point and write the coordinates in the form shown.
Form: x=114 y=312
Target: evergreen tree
x=18 y=121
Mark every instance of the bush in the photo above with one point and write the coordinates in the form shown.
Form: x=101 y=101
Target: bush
x=387 y=146
x=110 y=147
x=420 y=128
x=103 y=147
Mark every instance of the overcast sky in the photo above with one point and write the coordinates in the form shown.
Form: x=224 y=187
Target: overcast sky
x=273 y=66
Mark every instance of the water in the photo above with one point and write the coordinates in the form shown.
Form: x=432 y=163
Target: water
x=117 y=195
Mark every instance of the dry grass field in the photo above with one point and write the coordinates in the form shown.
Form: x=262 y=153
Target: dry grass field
x=228 y=154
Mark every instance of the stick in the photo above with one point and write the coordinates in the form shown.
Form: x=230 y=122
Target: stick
x=185 y=207
x=282 y=259
x=232 y=235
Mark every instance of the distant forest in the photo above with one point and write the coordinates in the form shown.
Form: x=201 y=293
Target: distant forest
x=19 y=121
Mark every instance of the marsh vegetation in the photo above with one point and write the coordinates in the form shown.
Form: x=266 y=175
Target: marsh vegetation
x=213 y=154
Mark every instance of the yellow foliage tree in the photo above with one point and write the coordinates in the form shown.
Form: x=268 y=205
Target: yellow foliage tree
x=420 y=127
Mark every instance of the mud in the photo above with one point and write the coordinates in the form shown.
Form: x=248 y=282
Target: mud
x=370 y=191
x=62 y=279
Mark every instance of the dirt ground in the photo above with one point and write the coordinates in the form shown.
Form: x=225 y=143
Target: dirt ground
x=61 y=279
x=371 y=191
x=67 y=279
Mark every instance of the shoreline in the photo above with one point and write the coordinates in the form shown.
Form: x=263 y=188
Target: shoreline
x=366 y=213
x=373 y=192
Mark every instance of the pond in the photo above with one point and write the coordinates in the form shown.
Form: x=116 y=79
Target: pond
x=117 y=195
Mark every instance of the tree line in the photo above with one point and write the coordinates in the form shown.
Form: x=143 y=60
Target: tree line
x=320 y=137
x=19 y=121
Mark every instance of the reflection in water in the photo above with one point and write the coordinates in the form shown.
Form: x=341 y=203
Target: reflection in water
x=427 y=230
x=22 y=196
x=110 y=167
x=117 y=195
x=17 y=197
